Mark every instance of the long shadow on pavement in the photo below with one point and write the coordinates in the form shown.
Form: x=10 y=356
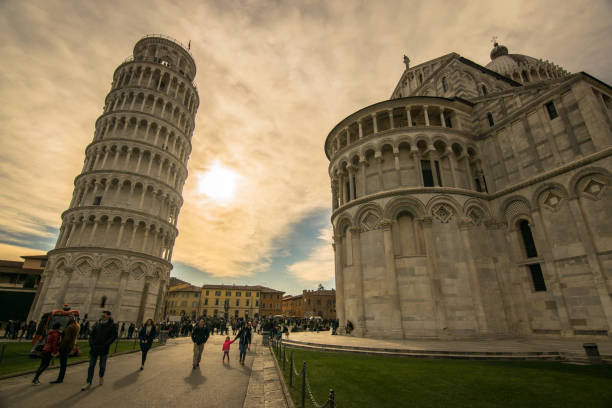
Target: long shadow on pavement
x=127 y=380
x=195 y=378
x=72 y=400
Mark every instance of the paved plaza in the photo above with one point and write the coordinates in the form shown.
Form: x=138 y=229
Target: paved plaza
x=167 y=380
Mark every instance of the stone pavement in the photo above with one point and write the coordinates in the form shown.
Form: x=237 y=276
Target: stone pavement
x=265 y=389
x=167 y=380
x=481 y=345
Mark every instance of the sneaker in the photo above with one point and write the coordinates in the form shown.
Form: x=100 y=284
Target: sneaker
x=56 y=382
x=101 y=381
x=35 y=382
x=86 y=387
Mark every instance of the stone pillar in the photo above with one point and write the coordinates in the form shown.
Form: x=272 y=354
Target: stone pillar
x=143 y=300
x=362 y=164
x=426 y=115
x=442 y=122
x=379 y=159
x=339 y=272
x=434 y=279
x=554 y=283
x=61 y=297
x=391 y=125
x=360 y=129
x=417 y=165
x=408 y=116
x=159 y=312
x=360 y=328
x=374 y=123
x=597 y=269
x=351 y=173
x=468 y=171
x=479 y=313
x=124 y=276
x=93 y=282
x=120 y=235
x=395 y=316
x=452 y=162
x=44 y=283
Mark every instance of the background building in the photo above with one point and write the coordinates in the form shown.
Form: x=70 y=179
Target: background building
x=271 y=302
x=311 y=303
x=184 y=300
x=115 y=243
x=230 y=301
x=18 y=286
x=476 y=201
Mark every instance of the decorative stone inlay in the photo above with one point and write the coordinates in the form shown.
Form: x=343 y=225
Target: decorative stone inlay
x=369 y=222
x=551 y=200
x=83 y=267
x=112 y=268
x=138 y=272
x=594 y=188
x=443 y=213
x=475 y=215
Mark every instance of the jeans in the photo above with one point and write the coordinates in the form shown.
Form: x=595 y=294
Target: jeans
x=144 y=350
x=243 y=350
x=45 y=359
x=197 y=353
x=63 y=357
x=93 y=358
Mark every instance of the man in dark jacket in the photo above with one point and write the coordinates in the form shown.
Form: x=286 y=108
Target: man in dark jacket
x=69 y=338
x=103 y=334
x=131 y=330
x=199 y=336
x=244 y=334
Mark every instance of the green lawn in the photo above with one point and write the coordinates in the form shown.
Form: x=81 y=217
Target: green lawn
x=16 y=356
x=361 y=380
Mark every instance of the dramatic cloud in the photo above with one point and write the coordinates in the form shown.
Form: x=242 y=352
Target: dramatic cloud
x=273 y=77
x=319 y=266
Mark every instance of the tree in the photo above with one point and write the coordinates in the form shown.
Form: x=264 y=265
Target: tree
x=29 y=282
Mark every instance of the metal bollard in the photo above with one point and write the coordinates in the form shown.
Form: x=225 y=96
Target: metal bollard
x=332 y=398
x=291 y=370
x=284 y=352
x=304 y=385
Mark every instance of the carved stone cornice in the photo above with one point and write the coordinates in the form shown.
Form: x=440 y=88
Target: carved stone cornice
x=385 y=224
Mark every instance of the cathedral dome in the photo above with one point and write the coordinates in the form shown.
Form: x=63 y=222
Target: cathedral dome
x=522 y=68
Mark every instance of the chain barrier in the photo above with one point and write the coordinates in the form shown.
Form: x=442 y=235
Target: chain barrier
x=281 y=354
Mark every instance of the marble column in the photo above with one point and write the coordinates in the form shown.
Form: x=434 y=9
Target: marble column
x=360 y=328
x=360 y=129
x=45 y=282
x=351 y=174
x=374 y=123
x=143 y=300
x=123 y=279
x=362 y=186
x=159 y=313
x=437 y=296
x=395 y=315
x=408 y=116
x=426 y=114
x=91 y=290
x=339 y=272
x=61 y=296
x=479 y=313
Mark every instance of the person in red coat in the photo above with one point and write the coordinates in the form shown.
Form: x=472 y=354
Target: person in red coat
x=51 y=349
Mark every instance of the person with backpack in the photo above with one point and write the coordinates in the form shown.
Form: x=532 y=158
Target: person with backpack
x=50 y=349
x=69 y=338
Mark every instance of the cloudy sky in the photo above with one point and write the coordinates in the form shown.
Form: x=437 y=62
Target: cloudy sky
x=274 y=78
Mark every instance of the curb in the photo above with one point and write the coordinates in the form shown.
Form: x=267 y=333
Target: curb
x=281 y=376
x=20 y=373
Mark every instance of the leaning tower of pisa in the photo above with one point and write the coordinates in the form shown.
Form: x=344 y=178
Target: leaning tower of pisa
x=115 y=243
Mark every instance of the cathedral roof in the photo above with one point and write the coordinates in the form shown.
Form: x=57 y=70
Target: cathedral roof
x=512 y=65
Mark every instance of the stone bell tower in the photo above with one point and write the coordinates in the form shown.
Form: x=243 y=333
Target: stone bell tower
x=115 y=243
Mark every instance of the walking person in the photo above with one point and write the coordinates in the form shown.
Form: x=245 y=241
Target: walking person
x=102 y=335
x=122 y=330
x=69 y=338
x=244 y=335
x=51 y=349
x=131 y=330
x=226 y=349
x=199 y=336
x=146 y=336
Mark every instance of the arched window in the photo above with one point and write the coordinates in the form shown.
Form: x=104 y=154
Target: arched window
x=490 y=118
x=103 y=301
x=444 y=85
x=484 y=90
x=539 y=285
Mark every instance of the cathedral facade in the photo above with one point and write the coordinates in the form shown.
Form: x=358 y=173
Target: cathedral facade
x=476 y=202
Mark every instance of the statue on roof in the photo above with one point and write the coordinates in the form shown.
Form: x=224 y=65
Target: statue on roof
x=406 y=62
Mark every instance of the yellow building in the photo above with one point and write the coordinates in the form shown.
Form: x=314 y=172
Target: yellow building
x=230 y=301
x=183 y=300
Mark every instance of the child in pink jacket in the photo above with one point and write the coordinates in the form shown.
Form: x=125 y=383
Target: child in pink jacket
x=226 y=348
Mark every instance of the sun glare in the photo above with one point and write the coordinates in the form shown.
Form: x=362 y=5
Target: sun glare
x=218 y=183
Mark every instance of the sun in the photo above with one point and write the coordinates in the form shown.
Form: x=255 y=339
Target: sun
x=218 y=183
